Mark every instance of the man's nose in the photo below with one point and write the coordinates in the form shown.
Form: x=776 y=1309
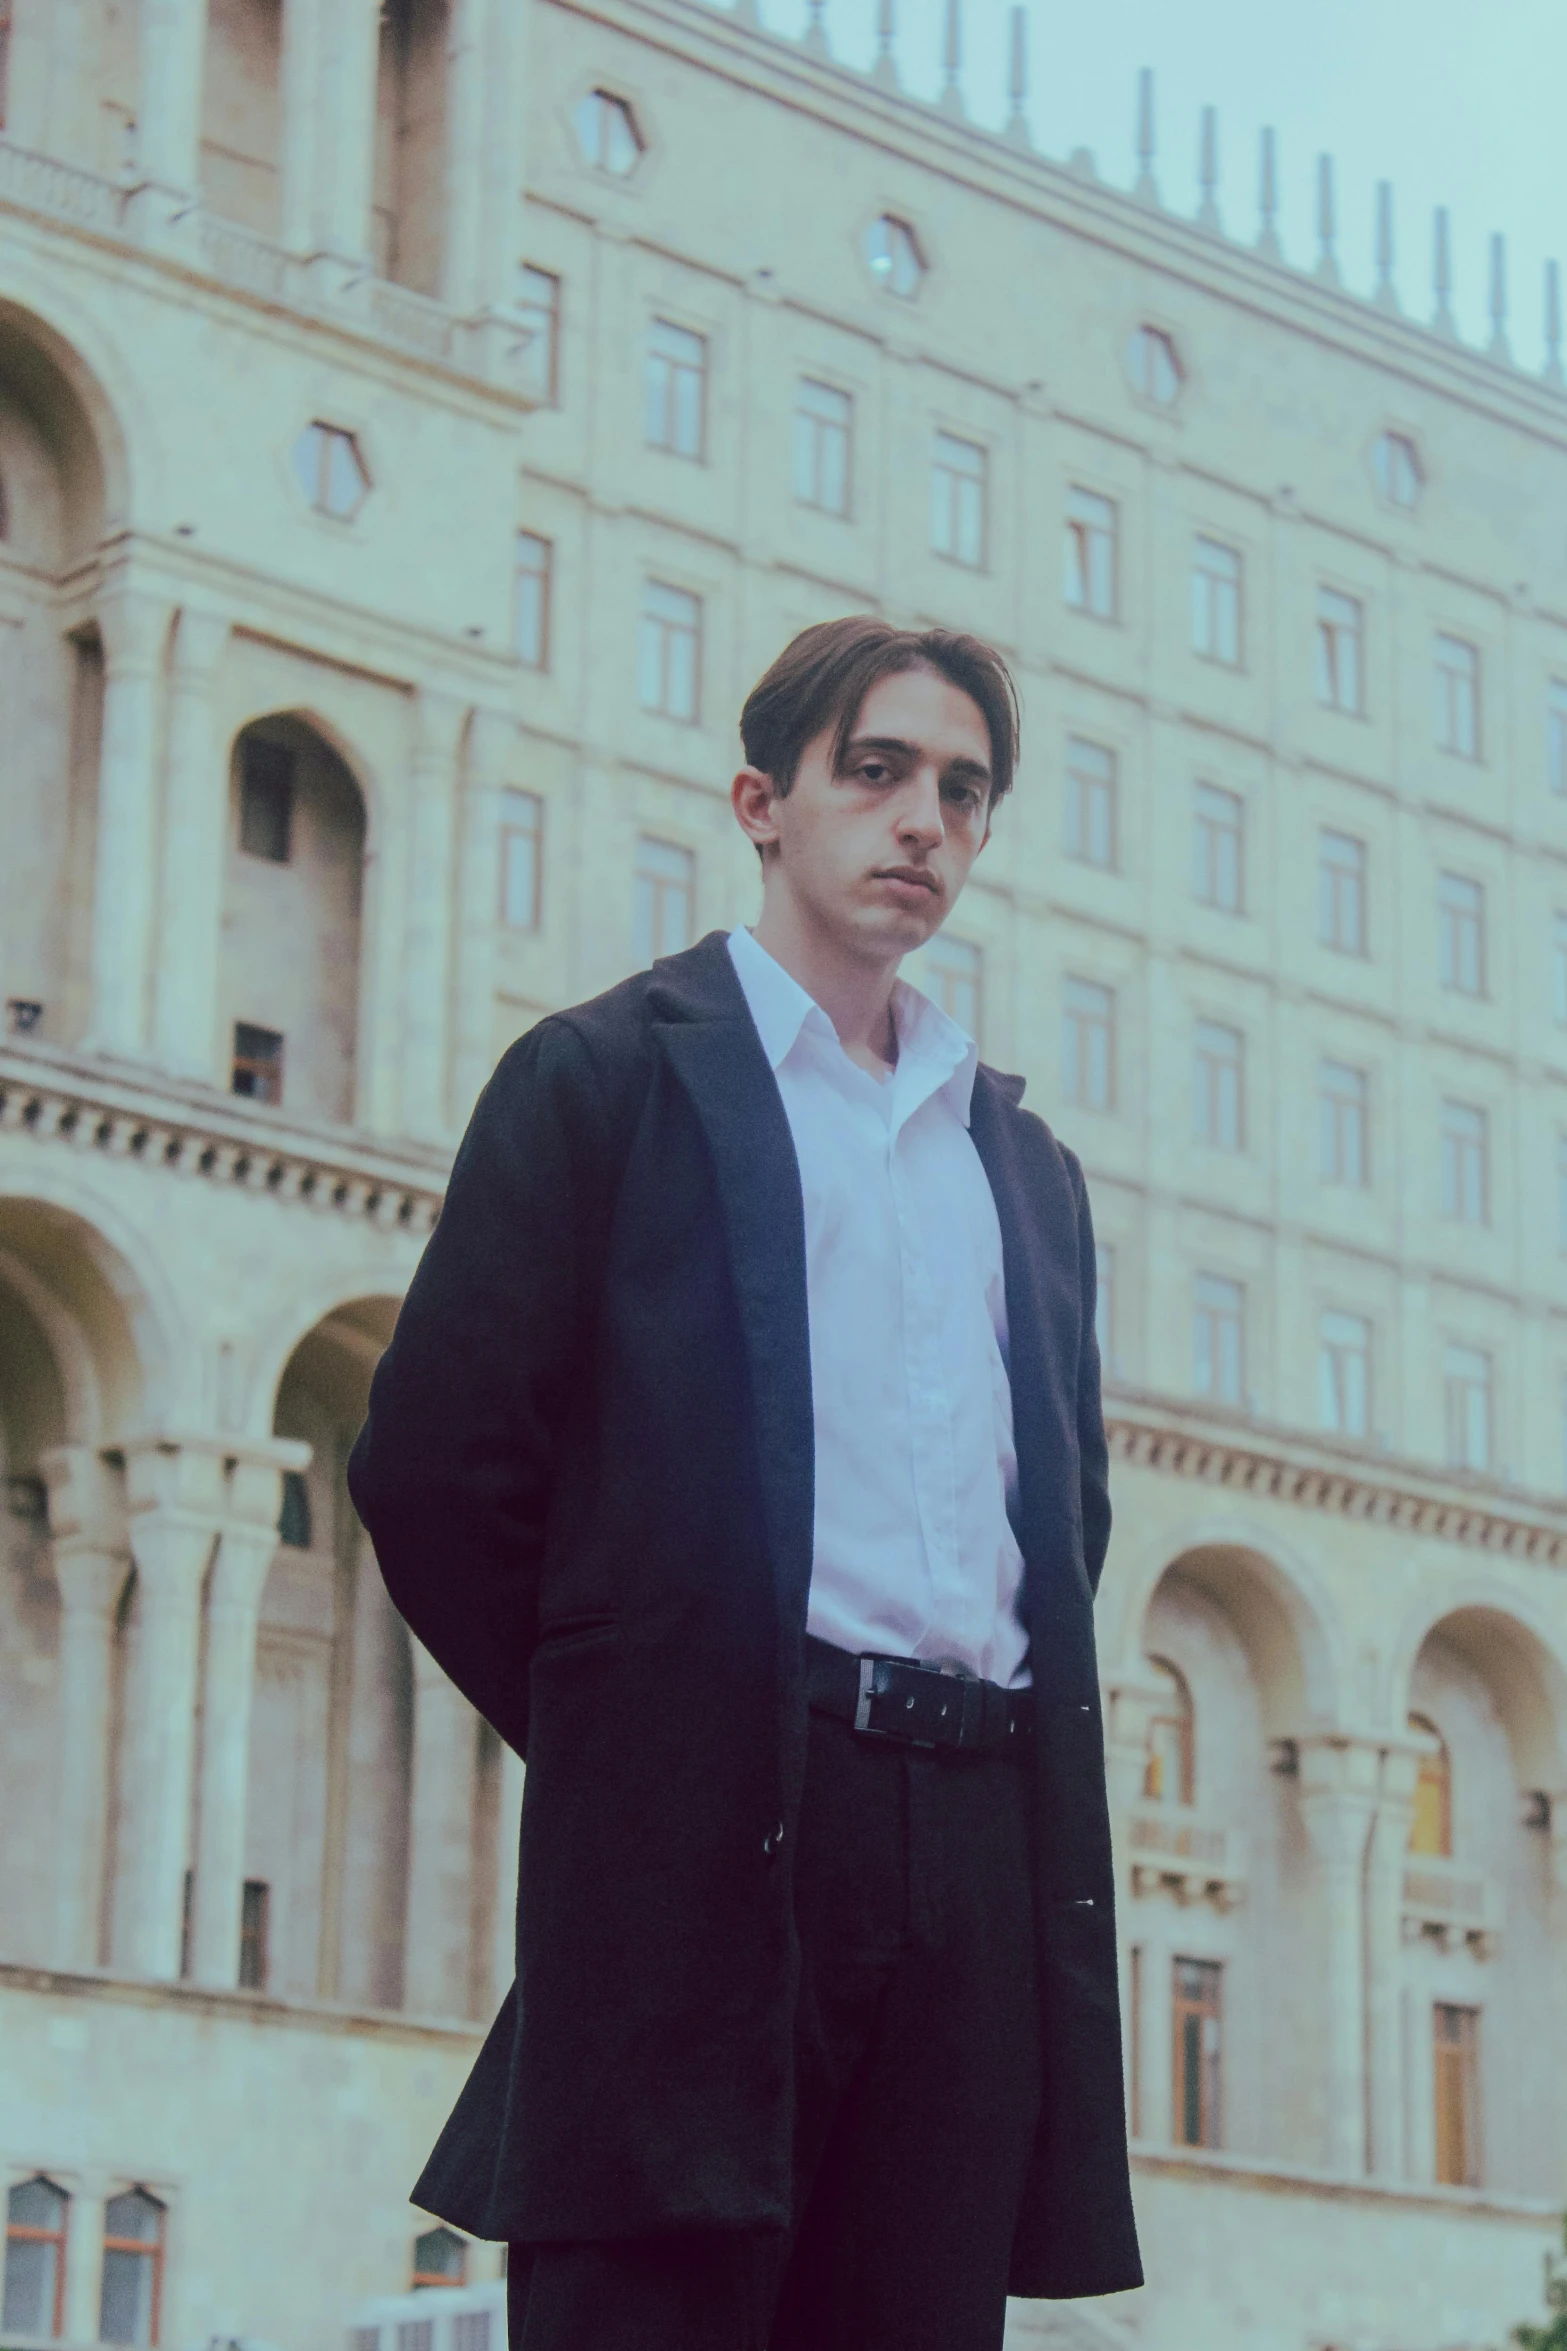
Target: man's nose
x=919 y=810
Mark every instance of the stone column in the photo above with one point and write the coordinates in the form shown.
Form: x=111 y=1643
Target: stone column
x=239 y=1573
x=168 y=146
x=303 y=116
x=436 y=1976
x=195 y=819
x=1388 y=2100
x=90 y=1567
x=345 y=154
x=175 y=1503
x=427 y=957
x=492 y=740
x=484 y=171
x=133 y=626
x=508 y=1830
x=1338 y=1801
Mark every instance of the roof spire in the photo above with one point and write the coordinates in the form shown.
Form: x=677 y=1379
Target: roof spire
x=1442 y=274
x=885 y=69
x=1017 y=81
x=1268 y=197
x=1385 y=296
x=1499 y=347
x=1208 y=171
x=1147 y=187
x=952 y=59
x=1327 y=228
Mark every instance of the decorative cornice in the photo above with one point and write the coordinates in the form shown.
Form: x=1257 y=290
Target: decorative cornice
x=1308 y=1473
x=158 y=1123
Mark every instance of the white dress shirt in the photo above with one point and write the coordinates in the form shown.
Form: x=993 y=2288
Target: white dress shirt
x=915 y=1554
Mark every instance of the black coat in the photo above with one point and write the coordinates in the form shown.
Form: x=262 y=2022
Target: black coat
x=588 y=1474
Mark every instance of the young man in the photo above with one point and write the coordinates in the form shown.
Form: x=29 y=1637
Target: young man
x=739 y=1454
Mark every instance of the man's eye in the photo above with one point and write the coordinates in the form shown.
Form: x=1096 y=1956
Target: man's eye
x=874 y=771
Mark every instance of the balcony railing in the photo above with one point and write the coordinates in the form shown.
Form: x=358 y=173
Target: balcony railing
x=1452 y=1902
x=1187 y=1853
x=252 y=266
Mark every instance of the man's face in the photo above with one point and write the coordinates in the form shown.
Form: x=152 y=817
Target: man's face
x=875 y=854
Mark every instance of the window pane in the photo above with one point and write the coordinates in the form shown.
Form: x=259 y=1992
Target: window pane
x=1090 y=802
x=1556 y=736
x=954 y=968
x=664 y=903
x=32 y=2283
x=538 y=307
x=531 y=587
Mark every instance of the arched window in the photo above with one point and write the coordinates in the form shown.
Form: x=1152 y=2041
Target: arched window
x=1431 y=1830
x=1169 y=1774
x=35 y=2217
x=440 y=2258
x=131 y=2306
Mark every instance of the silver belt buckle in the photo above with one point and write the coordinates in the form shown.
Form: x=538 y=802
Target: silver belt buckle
x=862 y=1704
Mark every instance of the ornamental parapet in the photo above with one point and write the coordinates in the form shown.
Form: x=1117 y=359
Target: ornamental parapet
x=1175 y=1849
x=1452 y=1903
x=156 y=1123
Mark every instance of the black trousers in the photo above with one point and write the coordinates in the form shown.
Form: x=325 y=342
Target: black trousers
x=917 y=2090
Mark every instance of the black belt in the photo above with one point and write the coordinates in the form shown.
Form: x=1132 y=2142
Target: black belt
x=920 y=1705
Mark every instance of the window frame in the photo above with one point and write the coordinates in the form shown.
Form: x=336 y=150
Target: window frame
x=1211 y=1068
x=1188 y=2008
x=960 y=501
x=813 y=431
x=947 y=965
x=550 y=310
x=661 y=888
x=659 y=631
x=1334 y=630
x=609 y=106
x=152 y=2249
x=1343 y=883
x=667 y=378
x=1091 y=553
x=1224 y=1318
x=905 y=255
x=1556 y=737
x=1085 y=788
x=1465 y=1130
x=1461 y=935
x=1147 y=347
x=1343 y=1124
x=1220 y=594
x=1218 y=847
x=1334 y=1352
x=1456 y=2093
x=258 y=1063
x=1088 y=1038
x=1464 y=1390
x=541 y=577
x=524 y=825
x=1457 y=690
x=29 y=2233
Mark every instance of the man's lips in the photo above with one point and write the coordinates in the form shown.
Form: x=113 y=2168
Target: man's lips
x=914 y=877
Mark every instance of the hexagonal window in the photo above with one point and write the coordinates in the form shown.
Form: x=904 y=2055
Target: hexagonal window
x=1395 y=461
x=330 y=468
x=608 y=134
x=1154 y=365
x=893 y=252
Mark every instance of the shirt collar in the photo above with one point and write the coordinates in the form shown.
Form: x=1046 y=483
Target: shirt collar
x=782 y=1009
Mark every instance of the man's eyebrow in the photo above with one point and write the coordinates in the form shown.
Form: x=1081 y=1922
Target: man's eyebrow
x=898 y=748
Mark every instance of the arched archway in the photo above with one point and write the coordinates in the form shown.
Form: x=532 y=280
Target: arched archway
x=289 y=978
x=62 y=484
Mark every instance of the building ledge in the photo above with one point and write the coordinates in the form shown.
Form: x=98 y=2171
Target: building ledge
x=122 y=1111
x=1274 y=2175
x=325 y=289
x=1196 y=1440
x=328 y=2017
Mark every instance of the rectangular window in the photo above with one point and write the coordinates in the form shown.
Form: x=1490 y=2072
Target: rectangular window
x=131 y=2293
x=532 y=562
x=1218 y=848
x=471 y=2330
x=1556 y=736
x=1461 y=934
x=664 y=915
x=1088 y=1045
x=1216 y=602
x=669 y=669
x=1466 y=1381
x=1218 y=1339
x=538 y=307
x=266 y=799
x=1465 y=1169
x=1559 y=966
x=1457 y=682
x=1090 y=803
x=1341 y=892
x=1340 y=652
x=1344 y=1373
x=1090 y=583
x=258 y=1063
x=35 y=2226
x=1195 y=2034
x=1343 y=1124
x=955 y=969
x=1561 y=1192
x=1104 y=1304
x=254 y=1920
x=1218 y=1109
x=522 y=860
x=675 y=390
x=957 y=500
x=823 y=436
x=1456 y=2054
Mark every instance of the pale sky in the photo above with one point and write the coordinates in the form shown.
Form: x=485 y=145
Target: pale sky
x=1455 y=103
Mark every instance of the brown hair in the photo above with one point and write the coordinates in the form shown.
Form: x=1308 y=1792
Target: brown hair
x=825 y=673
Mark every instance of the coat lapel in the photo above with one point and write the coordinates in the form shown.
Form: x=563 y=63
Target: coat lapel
x=713 y=1048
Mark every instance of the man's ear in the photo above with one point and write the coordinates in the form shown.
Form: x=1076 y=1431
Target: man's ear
x=753 y=797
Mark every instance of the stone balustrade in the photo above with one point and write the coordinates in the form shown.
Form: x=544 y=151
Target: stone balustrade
x=1191 y=1854
x=1452 y=1902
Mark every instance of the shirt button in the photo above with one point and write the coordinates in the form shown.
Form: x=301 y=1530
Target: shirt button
x=773 y=1839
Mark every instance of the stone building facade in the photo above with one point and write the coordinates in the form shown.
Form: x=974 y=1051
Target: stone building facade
x=382 y=564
